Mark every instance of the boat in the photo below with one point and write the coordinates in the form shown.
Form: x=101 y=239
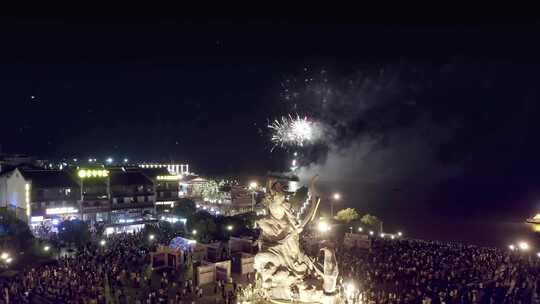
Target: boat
x=534 y=220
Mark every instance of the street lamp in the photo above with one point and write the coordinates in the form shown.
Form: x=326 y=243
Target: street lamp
x=230 y=227
x=109 y=160
x=4 y=256
x=512 y=247
x=370 y=232
x=151 y=237
x=8 y=260
x=335 y=197
x=194 y=232
x=46 y=248
x=360 y=229
x=399 y=233
x=102 y=242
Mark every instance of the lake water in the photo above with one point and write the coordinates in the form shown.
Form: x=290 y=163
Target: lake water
x=488 y=214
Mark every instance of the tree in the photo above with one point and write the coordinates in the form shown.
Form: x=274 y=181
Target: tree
x=371 y=221
x=347 y=215
x=14 y=233
x=210 y=191
x=74 y=231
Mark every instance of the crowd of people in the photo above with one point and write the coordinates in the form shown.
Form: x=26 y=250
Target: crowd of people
x=415 y=271
x=115 y=271
x=391 y=271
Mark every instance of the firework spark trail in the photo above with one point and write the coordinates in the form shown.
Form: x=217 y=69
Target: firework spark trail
x=295 y=131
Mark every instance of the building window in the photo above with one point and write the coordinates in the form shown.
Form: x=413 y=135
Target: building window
x=67 y=191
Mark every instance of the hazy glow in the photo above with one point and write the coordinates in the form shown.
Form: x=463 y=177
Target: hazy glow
x=323 y=227
x=61 y=210
x=169 y=177
x=87 y=173
x=523 y=246
x=253 y=185
x=336 y=196
x=512 y=247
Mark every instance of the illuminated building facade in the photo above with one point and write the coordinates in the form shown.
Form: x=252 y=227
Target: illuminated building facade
x=166 y=186
x=38 y=195
x=132 y=197
x=108 y=195
x=173 y=168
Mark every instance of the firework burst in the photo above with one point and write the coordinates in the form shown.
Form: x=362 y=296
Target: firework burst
x=295 y=131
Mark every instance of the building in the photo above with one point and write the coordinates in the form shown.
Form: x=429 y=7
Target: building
x=173 y=168
x=94 y=198
x=132 y=197
x=38 y=195
x=166 y=187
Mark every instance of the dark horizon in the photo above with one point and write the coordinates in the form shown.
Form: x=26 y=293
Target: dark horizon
x=441 y=103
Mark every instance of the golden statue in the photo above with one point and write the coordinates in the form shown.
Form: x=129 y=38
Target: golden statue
x=285 y=271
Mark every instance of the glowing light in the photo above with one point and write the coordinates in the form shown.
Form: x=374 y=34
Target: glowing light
x=46 y=248
x=336 y=196
x=383 y=235
x=92 y=173
x=194 y=232
x=323 y=227
x=27 y=199
x=295 y=131
x=151 y=237
x=371 y=232
x=61 y=210
x=169 y=177
x=8 y=260
x=125 y=160
x=253 y=185
x=392 y=237
x=55 y=222
x=399 y=233
x=109 y=230
x=512 y=247
x=229 y=227
x=102 y=242
x=4 y=256
x=36 y=219
x=538 y=254
x=523 y=246
x=360 y=229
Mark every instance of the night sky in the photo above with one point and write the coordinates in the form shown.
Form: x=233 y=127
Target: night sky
x=202 y=90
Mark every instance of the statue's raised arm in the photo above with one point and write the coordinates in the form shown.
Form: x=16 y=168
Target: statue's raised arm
x=314 y=201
